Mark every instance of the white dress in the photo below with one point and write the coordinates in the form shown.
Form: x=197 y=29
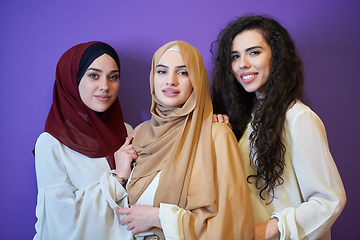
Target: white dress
x=312 y=195
x=78 y=196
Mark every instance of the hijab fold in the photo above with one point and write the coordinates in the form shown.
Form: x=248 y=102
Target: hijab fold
x=94 y=134
x=200 y=162
x=169 y=142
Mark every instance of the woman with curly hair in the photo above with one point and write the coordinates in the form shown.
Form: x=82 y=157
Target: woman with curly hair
x=258 y=79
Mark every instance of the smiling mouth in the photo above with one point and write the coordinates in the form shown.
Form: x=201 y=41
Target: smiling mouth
x=169 y=92
x=247 y=77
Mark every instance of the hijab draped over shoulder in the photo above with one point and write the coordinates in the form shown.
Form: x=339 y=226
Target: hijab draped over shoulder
x=94 y=134
x=169 y=141
x=174 y=139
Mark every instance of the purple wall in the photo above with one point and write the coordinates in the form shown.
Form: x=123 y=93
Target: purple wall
x=34 y=34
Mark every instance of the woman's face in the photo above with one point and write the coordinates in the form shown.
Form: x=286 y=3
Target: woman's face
x=251 y=58
x=100 y=84
x=171 y=81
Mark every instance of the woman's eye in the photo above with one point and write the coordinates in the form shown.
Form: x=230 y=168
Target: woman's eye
x=234 y=57
x=160 y=71
x=93 y=75
x=114 y=78
x=252 y=53
x=184 y=73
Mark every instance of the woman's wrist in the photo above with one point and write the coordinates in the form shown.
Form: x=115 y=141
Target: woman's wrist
x=272 y=230
x=120 y=179
x=156 y=218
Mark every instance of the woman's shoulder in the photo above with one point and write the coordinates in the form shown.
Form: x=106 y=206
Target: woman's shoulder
x=46 y=138
x=301 y=115
x=221 y=130
x=47 y=144
x=299 y=109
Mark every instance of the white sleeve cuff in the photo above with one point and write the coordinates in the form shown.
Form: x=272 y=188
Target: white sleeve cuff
x=171 y=221
x=112 y=190
x=282 y=226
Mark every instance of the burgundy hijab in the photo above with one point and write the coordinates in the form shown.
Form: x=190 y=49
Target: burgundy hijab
x=70 y=121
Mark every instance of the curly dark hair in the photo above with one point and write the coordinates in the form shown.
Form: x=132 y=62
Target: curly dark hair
x=283 y=87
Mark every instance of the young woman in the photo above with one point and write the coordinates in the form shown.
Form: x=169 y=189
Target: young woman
x=188 y=182
x=295 y=188
x=75 y=154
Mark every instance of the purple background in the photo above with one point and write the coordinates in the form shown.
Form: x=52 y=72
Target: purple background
x=34 y=34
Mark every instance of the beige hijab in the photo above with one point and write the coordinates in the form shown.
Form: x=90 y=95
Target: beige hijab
x=169 y=141
x=201 y=172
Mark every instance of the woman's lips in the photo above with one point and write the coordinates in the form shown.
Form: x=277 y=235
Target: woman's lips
x=170 y=92
x=248 y=77
x=103 y=98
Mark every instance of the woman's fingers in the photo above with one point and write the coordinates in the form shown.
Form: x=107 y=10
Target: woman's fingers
x=226 y=119
x=140 y=218
x=221 y=118
x=133 y=133
x=123 y=211
x=214 y=118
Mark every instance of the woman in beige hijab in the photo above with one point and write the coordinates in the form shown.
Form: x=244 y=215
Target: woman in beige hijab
x=188 y=182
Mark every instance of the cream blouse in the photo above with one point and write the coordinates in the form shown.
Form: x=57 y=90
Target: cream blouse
x=78 y=196
x=312 y=195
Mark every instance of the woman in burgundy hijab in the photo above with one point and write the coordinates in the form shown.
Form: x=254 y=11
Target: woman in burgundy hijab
x=77 y=192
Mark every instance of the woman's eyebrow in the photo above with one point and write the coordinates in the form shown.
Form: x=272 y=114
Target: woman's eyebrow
x=248 y=49
x=94 y=69
x=181 y=66
x=161 y=65
x=251 y=48
x=99 y=70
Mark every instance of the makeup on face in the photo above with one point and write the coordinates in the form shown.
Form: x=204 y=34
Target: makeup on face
x=172 y=85
x=251 y=58
x=99 y=86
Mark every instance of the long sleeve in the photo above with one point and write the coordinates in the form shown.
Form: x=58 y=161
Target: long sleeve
x=231 y=215
x=77 y=195
x=171 y=221
x=320 y=185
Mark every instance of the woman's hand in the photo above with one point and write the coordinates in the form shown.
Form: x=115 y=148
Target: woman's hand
x=133 y=133
x=267 y=230
x=221 y=118
x=140 y=218
x=124 y=157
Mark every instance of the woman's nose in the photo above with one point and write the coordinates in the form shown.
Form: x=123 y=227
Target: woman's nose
x=103 y=84
x=244 y=63
x=172 y=80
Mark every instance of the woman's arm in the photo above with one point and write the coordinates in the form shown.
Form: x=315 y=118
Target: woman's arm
x=167 y=217
x=317 y=176
x=267 y=230
x=77 y=195
x=123 y=159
